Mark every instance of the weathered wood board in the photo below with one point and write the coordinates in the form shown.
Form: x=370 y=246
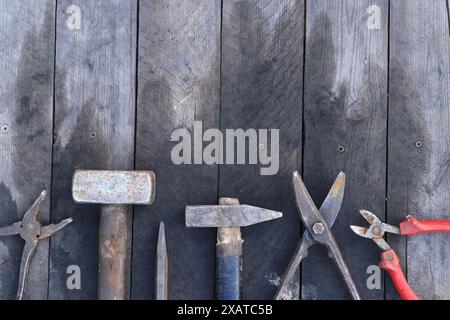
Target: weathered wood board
x=26 y=115
x=345 y=129
x=261 y=88
x=94 y=124
x=419 y=145
x=178 y=83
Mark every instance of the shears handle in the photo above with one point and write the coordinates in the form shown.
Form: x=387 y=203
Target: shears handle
x=391 y=263
x=411 y=226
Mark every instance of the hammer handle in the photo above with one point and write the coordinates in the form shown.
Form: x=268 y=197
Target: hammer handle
x=112 y=252
x=228 y=263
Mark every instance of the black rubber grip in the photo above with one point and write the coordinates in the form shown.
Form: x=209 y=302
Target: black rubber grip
x=228 y=277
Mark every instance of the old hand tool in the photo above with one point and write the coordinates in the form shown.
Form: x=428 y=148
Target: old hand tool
x=31 y=230
x=389 y=259
x=228 y=217
x=162 y=266
x=114 y=190
x=318 y=231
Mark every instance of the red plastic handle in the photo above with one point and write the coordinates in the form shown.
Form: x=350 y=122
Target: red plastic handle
x=391 y=263
x=411 y=226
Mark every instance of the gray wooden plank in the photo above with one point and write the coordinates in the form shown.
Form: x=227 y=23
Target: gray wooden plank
x=345 y=129
x=94 y=124
x=26 y=113
x=419 y=112
x=178 y=83
x=262 y=71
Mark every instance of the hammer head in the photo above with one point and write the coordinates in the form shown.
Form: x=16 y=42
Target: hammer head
x=113 y=187
x=224 y=216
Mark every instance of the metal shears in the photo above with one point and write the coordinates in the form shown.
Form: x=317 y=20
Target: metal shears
x=318 y=224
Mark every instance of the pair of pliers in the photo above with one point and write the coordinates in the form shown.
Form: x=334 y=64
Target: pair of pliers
x=318 y=224
x=389 y=260
x=31 y=230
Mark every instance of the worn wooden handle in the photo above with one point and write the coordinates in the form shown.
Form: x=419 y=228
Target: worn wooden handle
x=112 y=252
x=228 y=263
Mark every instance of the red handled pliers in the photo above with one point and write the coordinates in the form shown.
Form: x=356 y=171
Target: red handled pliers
x=389 y=259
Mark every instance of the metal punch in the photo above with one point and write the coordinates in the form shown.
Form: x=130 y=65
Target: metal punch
x=31 y=230
x=318 y=224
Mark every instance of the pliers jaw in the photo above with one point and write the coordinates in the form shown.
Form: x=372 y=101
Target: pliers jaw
x=376 y=230
x=30 y=216
x=31 y=230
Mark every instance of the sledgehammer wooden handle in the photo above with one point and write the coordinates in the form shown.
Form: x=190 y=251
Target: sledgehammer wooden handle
x=112 y=239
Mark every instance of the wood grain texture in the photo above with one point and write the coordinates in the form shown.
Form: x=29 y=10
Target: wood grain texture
x=345 y=129
x=94 y=125
x=26 y=112
x=262 y=67
x=178 y=83
x=419 y=148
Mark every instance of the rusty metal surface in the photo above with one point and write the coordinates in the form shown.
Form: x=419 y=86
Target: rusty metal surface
x=113 y=187
x=162 y=266
x=311 y=217
x=221 y=216
x=31 y=230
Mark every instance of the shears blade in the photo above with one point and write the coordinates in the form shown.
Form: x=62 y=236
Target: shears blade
x=333 y=202
x=306 y=207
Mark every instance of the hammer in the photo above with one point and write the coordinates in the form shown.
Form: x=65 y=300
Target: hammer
x=228 y=217
x=114 y=190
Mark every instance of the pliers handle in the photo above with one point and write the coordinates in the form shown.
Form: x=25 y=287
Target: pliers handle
x=411 y=226
x=391 y=263
x=389 y=259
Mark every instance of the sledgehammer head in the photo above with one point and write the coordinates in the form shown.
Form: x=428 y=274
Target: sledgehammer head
x=224 y=216
x=113 y=187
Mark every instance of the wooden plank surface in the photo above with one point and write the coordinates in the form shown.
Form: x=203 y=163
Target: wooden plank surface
x=94 y=124
x=345 y=129
x=419 y=147
x=262 y=63
x=178 y=83
x=26 y=112
x=230 y=64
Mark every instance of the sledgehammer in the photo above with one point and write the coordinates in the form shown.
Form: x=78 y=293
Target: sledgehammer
x=114 y=190
x=228 y=217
